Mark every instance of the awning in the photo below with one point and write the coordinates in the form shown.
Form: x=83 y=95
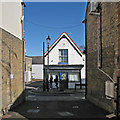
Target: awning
x=63 y=68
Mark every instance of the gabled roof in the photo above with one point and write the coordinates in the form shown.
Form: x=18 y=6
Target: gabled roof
x=65 y=35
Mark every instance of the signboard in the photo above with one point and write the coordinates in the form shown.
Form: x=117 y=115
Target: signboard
x=63 y=76
x=11 y=76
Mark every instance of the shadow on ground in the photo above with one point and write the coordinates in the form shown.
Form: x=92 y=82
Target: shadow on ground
x=59 y=107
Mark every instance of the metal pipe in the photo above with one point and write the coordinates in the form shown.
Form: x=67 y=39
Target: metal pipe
x=85 y=21
x=23 y=5
x=100 y=42
x=43 y=67
x=48 y=56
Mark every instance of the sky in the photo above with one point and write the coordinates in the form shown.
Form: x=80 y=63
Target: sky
x=53 y=18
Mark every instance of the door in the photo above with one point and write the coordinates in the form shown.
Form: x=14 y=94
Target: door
x=64 y=80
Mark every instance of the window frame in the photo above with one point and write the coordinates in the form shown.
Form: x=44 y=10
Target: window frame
x=63 y=56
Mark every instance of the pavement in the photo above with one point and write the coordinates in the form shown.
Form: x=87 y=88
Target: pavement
x=66 y=104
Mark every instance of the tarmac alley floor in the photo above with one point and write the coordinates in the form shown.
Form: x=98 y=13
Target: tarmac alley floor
x=56 y=104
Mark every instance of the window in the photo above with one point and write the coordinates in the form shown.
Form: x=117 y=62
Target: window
x=28 y=63
x=63 y=56
x=73 y=77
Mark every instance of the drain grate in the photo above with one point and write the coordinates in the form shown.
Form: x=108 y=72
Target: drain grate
x=65 y=114
x=33 y=110
x=76 y=107
x=31 y=96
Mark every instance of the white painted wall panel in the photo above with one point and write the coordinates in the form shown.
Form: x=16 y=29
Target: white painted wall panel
x=37 y=71
x=83 y=74
x=28 y=76
x=11 y=18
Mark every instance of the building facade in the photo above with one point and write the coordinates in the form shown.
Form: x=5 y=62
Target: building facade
x=28 y=69
x=102 y=26
x=37 y=68
x=65 y=59
x=11 y=54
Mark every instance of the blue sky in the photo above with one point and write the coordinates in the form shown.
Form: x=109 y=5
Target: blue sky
x=53 y=18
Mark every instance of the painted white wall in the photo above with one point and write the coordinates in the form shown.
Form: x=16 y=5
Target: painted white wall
x=73 y=57
x=37 y=71
x=10 y=17
x=28 y=76
x=83 y=74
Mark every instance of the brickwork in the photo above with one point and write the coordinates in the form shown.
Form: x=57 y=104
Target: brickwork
x=110 y=52
x=12 y=69
x=0 y=72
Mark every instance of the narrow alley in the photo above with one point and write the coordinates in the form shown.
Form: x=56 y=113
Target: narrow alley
x=59 y=59
x=55 y=104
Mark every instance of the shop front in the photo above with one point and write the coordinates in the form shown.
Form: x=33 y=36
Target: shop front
x=68 y=75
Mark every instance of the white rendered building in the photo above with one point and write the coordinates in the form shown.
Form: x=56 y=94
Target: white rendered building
x=66 y=60
x=37 y=67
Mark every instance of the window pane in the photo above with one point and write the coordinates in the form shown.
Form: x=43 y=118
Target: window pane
x=62 y=59
x=65 y=52
x=65 y=59
x=62 y=52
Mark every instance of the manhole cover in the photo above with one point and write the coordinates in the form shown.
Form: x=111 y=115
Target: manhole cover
x=33 y=110
x=65 y=114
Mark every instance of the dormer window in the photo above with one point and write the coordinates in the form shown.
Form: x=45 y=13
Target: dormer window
x=63 y=56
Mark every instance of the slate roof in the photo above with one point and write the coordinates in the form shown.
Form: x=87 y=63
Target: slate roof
x=36 y=59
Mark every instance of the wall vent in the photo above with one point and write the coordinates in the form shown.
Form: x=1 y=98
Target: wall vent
x=109 y=89
x=94 y=8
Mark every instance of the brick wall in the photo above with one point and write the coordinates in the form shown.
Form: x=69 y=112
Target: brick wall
x=110 y=52
x=12 y=64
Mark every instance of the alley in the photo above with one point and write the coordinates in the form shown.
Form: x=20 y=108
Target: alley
x=59 y=59
x=55 y=104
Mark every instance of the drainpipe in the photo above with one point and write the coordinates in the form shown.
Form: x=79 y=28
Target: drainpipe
x=85 y=21
x=43 y=67
x=100 y=46
x=100 y=41
x=22 y=20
